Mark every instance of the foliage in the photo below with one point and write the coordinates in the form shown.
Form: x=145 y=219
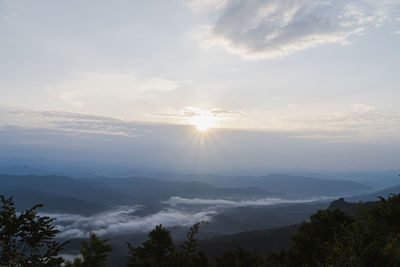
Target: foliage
x=27 y=239
x=160 y=250
x=378 y=234
x=312 y=244
x=156 y=252
x=189 y=256
x=238 y=258
x=94 y=253
x=370 y=237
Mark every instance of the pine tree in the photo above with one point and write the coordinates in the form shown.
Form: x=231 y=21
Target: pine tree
x=27 y=239
x=158 y=251
x=94 y=253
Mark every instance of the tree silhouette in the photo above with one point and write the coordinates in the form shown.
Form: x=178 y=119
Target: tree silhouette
x=189 y=256
x=27 y=239
x=312 y=243
x=94 y=253
x=158 y=251
x=239 y=258
x=369 y=237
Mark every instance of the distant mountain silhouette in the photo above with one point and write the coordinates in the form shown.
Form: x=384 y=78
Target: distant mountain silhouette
x=64 y=186
x=299 y=186
x=89 y=195
x=145 y=188
x=24 y=199
x=373 y=196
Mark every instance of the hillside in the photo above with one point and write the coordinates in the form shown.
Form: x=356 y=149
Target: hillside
x=374 y=196
x=64 y=186
x=299 y=186
x=87 y=196
x=146 y=188
x=260 y=241
x=53 y=203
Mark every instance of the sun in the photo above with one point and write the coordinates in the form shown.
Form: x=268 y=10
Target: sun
x=203 y=122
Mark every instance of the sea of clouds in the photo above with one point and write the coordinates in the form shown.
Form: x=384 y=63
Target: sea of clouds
x=175 y=201
x=177 y=211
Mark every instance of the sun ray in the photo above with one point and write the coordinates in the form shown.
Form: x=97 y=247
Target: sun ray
x=203 y=122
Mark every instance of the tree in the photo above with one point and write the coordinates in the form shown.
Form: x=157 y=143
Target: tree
x=277 y=259
x=380 y=239
x=189 y=256
x=27 y=239
x=158 y=251
x=94 y=253
x=373 y=239
x=370 y=237
x=238 y=258
x=312 y=244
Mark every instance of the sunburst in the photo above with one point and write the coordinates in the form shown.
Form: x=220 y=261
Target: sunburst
x=203 y=122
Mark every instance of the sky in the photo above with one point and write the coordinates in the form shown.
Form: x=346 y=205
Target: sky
x=314 y=82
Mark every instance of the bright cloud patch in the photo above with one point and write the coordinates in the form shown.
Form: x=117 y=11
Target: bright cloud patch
x=69 y=122
x=124 y=221
x=174 y=201
x=259 y=29
x=210 y=118
x=205 y=4
x=110 y=86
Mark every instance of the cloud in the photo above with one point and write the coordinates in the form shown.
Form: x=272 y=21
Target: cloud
x=187 y=114
x=124 y=221
x=84 y=123
x=355 y=122
x=360 y=121
x=85 y=86
x=207 y=4
x=70 y=257
x=322 y=137
x=69 y=122
x=362 y=108
x=175 y=201
x=364 y=123
x=259 y=29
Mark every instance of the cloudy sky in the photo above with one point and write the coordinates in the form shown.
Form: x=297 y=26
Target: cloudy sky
x=309 y=69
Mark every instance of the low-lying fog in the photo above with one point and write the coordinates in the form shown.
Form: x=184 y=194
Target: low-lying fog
x=176 y=211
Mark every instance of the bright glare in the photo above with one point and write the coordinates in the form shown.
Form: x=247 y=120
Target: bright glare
x=203 y=122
